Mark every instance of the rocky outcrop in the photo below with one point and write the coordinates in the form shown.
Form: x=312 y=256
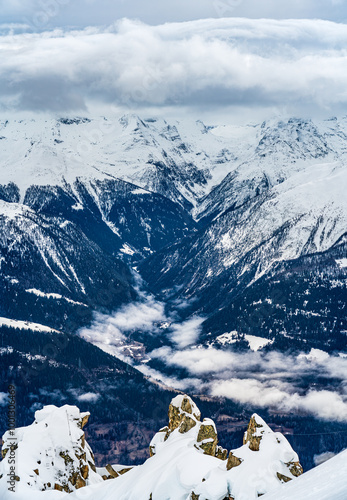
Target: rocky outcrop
x=184 y=415
x=57 y=455
x=185 y=462
x=233 y=461
x=253 y=435
x=259 y=436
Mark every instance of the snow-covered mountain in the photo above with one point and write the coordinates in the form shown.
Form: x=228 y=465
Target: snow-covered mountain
x=217 y=220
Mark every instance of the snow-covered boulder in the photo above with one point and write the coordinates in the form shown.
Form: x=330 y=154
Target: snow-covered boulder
x=51 y=453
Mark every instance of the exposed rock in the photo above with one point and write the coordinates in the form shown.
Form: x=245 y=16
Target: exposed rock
x=125 y=470
x=92 y=465
x=184 y=416
x=253 y=435
x=61 y=456
x=85 y=419
x=260 y=438
x=283 y=478
x=295 y=468
x=186 y=424
x=181 y=408
x=185 y=458
x=111 y=471
x=207 y=437
x=85 y=471
x=80 y=482
x=221 y=453
x=233 y=461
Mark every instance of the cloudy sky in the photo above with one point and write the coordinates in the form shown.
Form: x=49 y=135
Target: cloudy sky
x=81 y=13
x=215 y=58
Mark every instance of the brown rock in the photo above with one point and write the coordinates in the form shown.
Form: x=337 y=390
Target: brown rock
x=186 y=424
x=85 y=471
x=80 y=482
x=125 y=470
x=295 y=468
x=207 y=433
x=36 y=471
x=233 y=461
x=283 y=478
x=92 y=466
x=250 y=435
x=85 y=420
x=66 y=457
x=221 y=453
x=111 y=471
x=175 y=417
x=177 y=414
x=83 y=456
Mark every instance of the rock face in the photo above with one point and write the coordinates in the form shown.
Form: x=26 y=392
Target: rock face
x=53 y=452
x=254 y=433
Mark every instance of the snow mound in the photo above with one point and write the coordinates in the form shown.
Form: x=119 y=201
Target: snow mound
x=328 y=481
x=51 y=453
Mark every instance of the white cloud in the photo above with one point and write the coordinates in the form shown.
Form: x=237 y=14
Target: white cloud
x=3 y=398
x=325 y=404
x=172 y=382
x=109 y=330
x=201 y=64
x=88 y=397
x=323 y=457
x=186 y=333
x=268 y=379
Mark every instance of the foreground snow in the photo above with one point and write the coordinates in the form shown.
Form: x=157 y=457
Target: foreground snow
x=186 y=460
x=326 y=482
x=53 y=460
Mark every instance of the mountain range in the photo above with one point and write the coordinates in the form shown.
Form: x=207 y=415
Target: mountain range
x=242 y=228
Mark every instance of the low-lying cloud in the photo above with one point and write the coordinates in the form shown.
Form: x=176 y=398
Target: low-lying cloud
x=112 y=332
x=186 y=333
x=313 y=384
x=199 y=64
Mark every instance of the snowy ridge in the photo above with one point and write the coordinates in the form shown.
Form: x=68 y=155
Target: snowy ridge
x=177 y=471
x=185 y=461
x=26 y=325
